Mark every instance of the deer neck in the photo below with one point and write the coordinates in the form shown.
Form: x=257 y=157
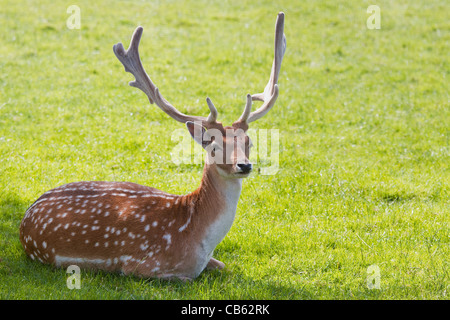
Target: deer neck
x=215 y=206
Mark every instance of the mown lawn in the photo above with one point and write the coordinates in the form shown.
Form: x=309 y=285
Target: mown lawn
x=363 y=119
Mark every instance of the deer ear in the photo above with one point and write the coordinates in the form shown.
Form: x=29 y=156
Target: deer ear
x=198 y=133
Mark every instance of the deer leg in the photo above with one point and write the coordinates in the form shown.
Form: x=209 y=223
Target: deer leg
x=214 y=264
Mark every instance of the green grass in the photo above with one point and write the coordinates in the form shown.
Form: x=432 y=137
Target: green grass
x=363 y=117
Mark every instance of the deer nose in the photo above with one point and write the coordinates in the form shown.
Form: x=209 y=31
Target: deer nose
x=245 y=167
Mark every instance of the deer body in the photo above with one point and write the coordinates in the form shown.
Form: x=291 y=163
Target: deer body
x=134 y=229
x=130 y=228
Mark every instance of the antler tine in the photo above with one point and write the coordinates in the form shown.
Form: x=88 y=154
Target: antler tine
x=247 y=109
x=132 y=63
x=270 y=94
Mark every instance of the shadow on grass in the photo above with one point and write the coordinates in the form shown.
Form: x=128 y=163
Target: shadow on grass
x=392 y=198
x=12 y=210
x=32 y=280
x=12 y=207
x=232 y=285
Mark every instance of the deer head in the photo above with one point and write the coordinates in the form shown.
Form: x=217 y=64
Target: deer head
x=227 y=147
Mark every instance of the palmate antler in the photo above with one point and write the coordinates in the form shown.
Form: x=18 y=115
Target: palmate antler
x=132 y=63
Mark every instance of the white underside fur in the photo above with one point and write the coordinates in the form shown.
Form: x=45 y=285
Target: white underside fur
x=217 y=231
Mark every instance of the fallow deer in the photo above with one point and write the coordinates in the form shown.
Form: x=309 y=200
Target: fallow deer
x=134 y=229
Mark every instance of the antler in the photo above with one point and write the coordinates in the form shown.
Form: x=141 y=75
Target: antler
x=270 y=94
x=132 y=63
